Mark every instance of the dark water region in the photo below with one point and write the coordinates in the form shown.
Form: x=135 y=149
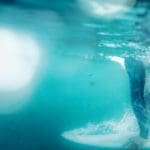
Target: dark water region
x=74 y=84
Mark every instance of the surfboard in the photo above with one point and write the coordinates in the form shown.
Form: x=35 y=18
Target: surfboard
x=109 y=134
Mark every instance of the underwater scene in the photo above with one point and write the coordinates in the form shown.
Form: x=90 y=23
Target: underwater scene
x=74 y=74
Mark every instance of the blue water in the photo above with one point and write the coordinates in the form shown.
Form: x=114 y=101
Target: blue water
x=74 y=84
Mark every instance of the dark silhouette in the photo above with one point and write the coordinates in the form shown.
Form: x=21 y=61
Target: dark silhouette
x=136 y=71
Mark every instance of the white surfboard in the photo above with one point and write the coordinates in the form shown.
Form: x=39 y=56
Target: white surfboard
x=114 y=134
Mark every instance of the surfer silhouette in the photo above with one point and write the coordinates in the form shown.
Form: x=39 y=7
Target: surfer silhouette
x=136 y=71
x=137 y=74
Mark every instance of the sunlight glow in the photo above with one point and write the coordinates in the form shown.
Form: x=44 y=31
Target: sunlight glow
x=19 y=55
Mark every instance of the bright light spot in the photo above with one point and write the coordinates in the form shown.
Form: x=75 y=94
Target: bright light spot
x=19 y=60
x=105 y=8
x=19 y=56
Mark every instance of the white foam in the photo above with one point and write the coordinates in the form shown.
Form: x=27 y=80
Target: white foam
x=106 y=8
x=113 y=133
x=119 y=60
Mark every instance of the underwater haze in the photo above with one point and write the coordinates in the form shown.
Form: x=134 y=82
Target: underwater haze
x=56 y=80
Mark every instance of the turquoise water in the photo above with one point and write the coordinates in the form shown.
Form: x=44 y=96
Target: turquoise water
x=73 y=83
